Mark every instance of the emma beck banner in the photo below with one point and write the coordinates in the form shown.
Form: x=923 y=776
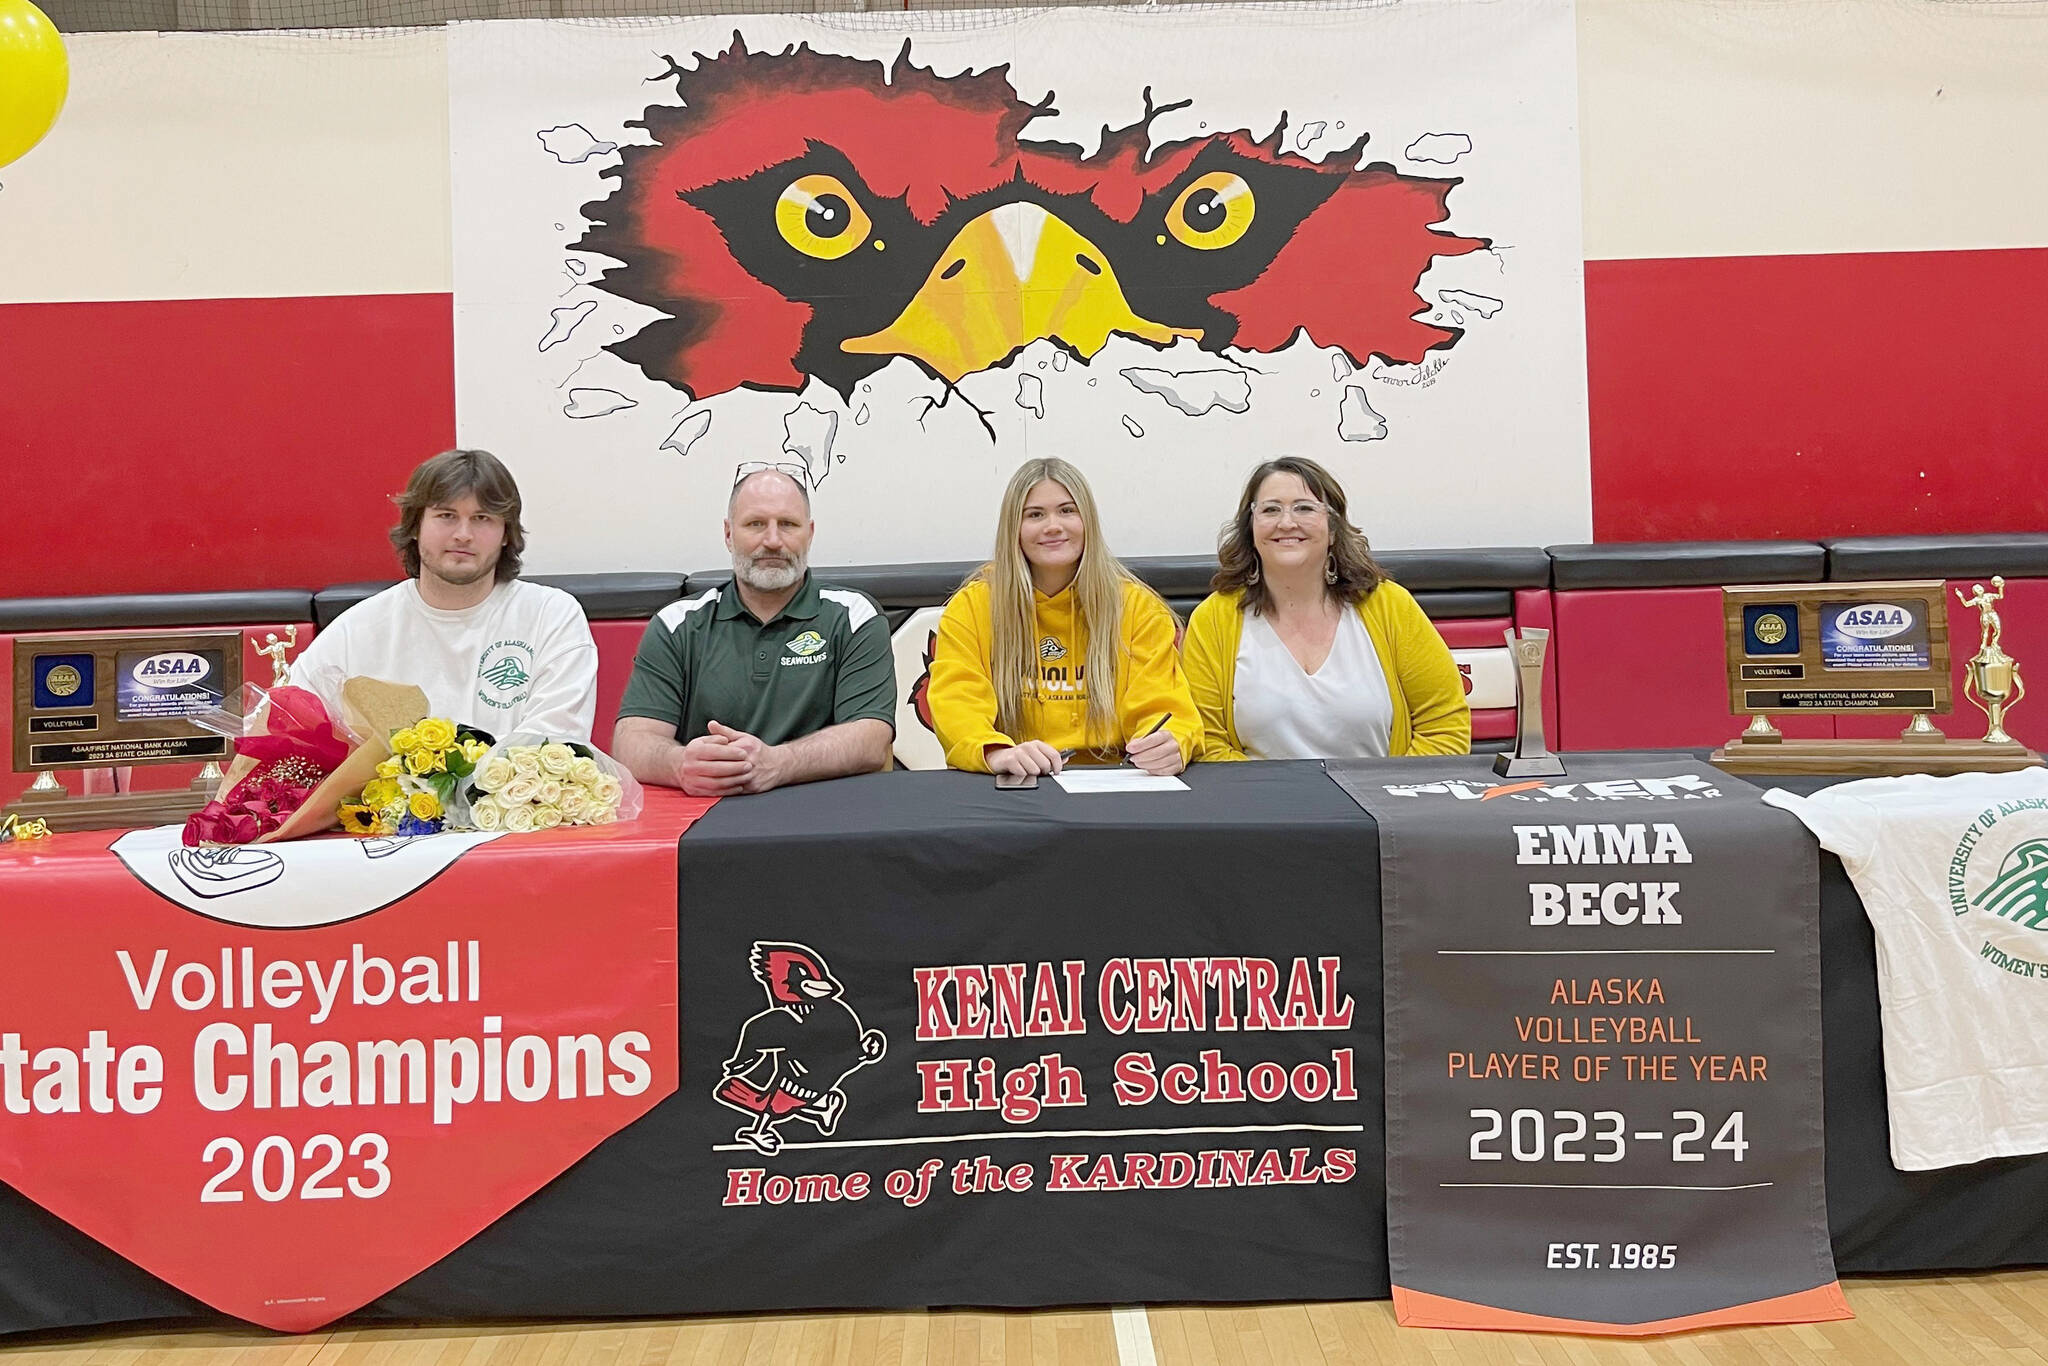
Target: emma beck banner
x=286 y=1079
x=1603 y=1049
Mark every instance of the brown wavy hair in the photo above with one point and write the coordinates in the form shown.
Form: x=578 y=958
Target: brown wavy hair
x=438 y=483
x=1357 y=572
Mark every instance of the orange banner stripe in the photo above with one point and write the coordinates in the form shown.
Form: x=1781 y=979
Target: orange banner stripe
x=1418 y=1309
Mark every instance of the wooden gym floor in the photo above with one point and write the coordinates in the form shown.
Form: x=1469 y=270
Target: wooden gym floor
x=1976 y=1320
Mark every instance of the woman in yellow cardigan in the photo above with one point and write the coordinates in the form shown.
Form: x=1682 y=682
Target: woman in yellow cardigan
x=1053 y=649
x=1307 y=649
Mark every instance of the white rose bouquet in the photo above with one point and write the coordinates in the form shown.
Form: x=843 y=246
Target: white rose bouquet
x=532 y=783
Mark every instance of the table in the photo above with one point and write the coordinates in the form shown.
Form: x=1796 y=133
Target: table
x=896 y=864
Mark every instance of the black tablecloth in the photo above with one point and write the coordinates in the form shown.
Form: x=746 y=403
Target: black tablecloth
x=610 y=1236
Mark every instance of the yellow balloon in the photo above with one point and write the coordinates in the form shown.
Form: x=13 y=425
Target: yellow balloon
x=33 y=77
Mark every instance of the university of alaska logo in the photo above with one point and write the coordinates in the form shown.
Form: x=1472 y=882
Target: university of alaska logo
x=805 y=645
x=503 y=673
x=1051 y=649
x=2020 y=891
x=1998 y=875
x=791 y=1058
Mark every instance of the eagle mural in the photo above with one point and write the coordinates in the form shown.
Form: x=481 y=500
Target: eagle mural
x=803 y=215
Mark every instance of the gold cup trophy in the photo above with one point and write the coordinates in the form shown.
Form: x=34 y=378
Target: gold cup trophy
x=1991 y=677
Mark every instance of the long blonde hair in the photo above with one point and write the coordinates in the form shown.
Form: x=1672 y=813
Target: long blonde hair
x=1013 y=614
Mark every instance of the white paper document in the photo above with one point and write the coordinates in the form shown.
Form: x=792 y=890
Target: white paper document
x=1116 y=780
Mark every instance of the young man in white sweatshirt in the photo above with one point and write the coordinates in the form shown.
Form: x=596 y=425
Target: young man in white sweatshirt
x=490 y=650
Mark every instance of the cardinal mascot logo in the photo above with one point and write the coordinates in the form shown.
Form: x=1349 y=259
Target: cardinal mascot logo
x=792 y=1056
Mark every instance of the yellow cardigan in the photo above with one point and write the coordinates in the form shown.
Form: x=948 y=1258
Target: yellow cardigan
x=1430 y=713
x=1149 y=685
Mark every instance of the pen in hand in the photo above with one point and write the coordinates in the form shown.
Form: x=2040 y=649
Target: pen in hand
x=1146 y=736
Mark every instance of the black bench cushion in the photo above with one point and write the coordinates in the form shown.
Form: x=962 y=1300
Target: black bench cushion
x=1475 y=602
x=1422 y=571
x=1185 y=578
x=1418 y=571
x=604 y=597
x=1678 y=564
x=2018 y=555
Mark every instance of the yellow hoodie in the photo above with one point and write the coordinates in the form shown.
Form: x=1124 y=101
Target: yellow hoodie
x=1149 y=685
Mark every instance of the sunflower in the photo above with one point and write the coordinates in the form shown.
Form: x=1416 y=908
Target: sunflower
x=358 y=820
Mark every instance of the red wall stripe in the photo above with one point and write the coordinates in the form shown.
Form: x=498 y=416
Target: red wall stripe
x=1804 y=396
x=240 y=443
x=186 y=445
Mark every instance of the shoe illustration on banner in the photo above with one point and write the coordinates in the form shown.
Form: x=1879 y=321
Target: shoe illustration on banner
x=791 y=1058
x=383 y=846
x=290 y=885
x=225 y=870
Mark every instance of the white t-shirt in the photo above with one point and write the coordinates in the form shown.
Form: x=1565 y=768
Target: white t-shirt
x=1954 y=875
x=1341 y=711
x=520 y=661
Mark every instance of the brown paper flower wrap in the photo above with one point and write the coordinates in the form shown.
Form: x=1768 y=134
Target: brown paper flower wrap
x=373 y=709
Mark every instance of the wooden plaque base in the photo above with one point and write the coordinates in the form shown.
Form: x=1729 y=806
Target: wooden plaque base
x=111 y=811
x=1871 y=758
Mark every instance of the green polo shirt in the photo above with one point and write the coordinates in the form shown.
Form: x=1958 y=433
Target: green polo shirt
x=824 y=660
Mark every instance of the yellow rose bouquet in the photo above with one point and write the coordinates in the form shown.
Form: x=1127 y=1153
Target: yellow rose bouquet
x=531 y=783
x=417 y=788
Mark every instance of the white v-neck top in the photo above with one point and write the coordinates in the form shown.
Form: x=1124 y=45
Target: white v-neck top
x=1341 y=711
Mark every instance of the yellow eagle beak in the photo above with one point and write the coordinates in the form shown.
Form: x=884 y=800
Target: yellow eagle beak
x=1010 y=277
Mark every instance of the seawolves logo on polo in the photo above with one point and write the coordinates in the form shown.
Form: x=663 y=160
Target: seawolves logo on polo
x=808 y=648
x=1679 y=787
x=1998 y=886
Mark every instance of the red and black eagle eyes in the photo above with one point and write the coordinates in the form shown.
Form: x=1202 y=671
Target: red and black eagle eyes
x=1216 y=210
x=820 y=217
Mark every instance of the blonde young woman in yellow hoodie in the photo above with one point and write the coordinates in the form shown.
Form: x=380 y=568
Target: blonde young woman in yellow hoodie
x=1053 y=650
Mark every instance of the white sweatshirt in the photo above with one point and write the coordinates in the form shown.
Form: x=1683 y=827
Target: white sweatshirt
x=520 y=661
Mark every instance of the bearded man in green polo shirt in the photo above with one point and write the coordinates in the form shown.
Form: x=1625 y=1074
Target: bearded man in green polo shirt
x=772 y=680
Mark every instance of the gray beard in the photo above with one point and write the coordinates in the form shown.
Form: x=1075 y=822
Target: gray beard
x=769 y=579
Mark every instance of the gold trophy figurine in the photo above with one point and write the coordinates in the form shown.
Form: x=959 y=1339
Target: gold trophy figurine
x=1992 y=677
x=275 y=650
